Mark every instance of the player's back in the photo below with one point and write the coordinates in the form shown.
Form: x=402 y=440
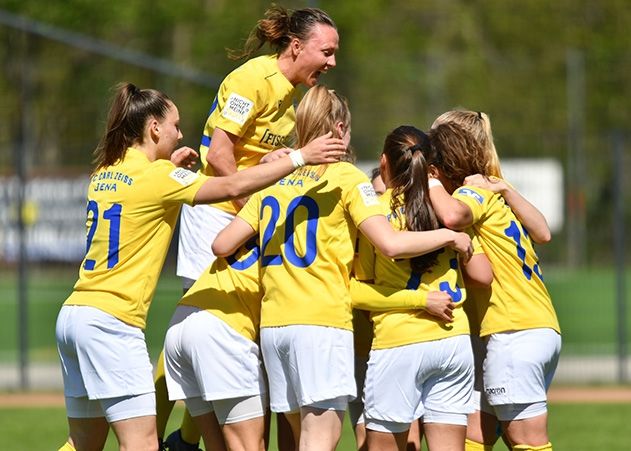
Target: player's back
x=307 y=230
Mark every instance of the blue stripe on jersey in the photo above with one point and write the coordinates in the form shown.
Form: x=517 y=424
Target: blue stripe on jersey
x=213 y=106
x=205 y=140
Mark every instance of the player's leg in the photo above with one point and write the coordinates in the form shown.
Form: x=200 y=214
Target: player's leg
x=293 y=420
x=320 y=429
x=284 y=435
x=242 y=422
x=378 y=440
x=517 y=373
x=164 y=406
x=445 y=437
x=209 y=426
x=87 y=434
x=415 y=436
x=482 y=431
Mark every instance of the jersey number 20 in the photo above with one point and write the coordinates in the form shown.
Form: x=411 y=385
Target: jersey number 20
x=313 y=212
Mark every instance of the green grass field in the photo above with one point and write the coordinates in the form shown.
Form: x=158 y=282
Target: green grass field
x=584 y=300
x=573 y=427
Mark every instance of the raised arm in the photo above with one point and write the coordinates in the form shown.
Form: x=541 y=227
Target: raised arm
x=530 y=217
x=451 y=212
x=404 y=244
x=243 y=183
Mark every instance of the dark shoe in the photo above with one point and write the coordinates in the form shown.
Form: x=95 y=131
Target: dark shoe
x=174 y=442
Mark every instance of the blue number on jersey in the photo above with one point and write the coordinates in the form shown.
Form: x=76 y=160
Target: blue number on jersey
x=515 y=233
x=248 y=259
x=113 y=215
x=313 y=213
x=456 y=293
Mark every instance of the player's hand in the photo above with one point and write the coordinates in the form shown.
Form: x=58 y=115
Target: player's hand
x=440 y=305
x=275 y=155
x=493 y=184
x=323 y=149
x=184 y=157
x=461 y=243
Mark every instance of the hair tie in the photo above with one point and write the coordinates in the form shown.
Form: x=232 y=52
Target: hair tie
x=414 y=148
x=480 y=114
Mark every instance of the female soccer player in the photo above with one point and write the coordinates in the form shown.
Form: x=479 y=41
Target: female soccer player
x=517 y=318
x=427 y=353
x=482 y=427
x=250 y=117
x=307 y=225
x=134 y=198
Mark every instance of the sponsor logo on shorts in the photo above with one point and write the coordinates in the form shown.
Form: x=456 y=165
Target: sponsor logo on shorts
x=368 y=194
x=470 y=193
x=237 y=108
x=183 y=176
x=495 y=391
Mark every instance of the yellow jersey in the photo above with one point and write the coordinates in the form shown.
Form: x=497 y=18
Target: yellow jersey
x=307 y=227
x=518 y=299
x=230 y=290
x=132 y=209
x=256 y=103
x=403 y=327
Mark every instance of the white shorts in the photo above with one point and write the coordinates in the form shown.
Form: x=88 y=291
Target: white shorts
x=432 y=379
x=104 y=359
x=518 y=369
x=479 y=353
x=308 y=366
x=205 y=358
x=199 y=225
x=356 y=406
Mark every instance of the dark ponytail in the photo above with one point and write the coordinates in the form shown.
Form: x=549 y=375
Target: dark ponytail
x=128 y=114
x=404 y=148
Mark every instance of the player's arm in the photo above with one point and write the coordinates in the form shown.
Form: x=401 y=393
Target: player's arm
x=243 y=183
x=232 y=237
x=530 y=217
x=220 y=157
x=405 y=244
x=453 y=213
x=478 y=272
x=184 y=157
x=379 y=298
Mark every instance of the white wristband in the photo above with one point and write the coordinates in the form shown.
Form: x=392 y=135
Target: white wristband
x=296 y=158
x=432 y=182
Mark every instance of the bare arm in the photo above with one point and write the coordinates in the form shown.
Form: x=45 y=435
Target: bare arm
x=184 y=157
x=478 y=271
x=451 y=212
x=232 y=237
x=243 y=183
x=530 y=217
x=404 y=244
x=221 y=159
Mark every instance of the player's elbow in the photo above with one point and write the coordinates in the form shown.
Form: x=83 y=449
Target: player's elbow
x=543 y=237
x=456 y=220
x=221 y=248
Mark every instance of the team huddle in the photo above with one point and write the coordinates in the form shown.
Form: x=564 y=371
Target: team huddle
x=421 y=310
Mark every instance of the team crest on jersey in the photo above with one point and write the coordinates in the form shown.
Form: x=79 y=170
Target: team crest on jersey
x=368 y=194
x=237 y=108
x=183 y=176
x=470 y=193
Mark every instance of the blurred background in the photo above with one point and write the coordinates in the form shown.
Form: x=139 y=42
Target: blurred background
x=554 y=77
